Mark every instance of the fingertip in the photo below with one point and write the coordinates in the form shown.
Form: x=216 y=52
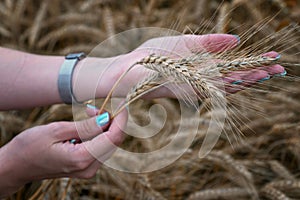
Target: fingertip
x=275 y=70
x=103 y=120
x=254 y=76
x=117 y=128
x=272 y=54
x=238 y=38
x=91 y=110
x=232 y=77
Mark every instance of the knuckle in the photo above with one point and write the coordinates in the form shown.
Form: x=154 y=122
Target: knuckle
x=80 y=160
x=58 y=127
x=116 y=138
x=80 y=164
x=54 y=127
x=86 y=127
x=19 y=141
x=89 y=174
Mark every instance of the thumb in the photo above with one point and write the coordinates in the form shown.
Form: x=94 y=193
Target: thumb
x=110 y=139
x=81 y=130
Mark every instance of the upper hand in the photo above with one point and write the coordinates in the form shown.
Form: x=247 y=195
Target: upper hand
x=178 y=46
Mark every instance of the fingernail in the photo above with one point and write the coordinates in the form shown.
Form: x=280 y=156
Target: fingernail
x=264 y=79
x=73 y=141
x=237 y=82
x=91 y=106
x=238 y=38
x=102 y=119
x=281 y=74
x=278 y=57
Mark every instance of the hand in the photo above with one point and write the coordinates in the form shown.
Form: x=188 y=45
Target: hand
x=175 y=47
x=94 y=77
x=212 y=43
x=45 y=151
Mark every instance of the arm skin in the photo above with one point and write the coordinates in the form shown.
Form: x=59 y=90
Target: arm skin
x=28 y=80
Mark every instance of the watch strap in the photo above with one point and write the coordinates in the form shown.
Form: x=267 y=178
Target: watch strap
x=66 y=75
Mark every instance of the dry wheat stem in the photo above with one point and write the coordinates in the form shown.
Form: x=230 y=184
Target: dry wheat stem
x=148 y=85
x=231 y=193
x=273 y=194
x=114 y=87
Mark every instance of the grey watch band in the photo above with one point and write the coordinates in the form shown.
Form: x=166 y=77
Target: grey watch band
x=65 y=77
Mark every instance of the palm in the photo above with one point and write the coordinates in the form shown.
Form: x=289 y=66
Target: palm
x=183 y=46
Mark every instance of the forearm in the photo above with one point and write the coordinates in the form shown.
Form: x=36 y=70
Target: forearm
x=95 y=77
x=28 y=80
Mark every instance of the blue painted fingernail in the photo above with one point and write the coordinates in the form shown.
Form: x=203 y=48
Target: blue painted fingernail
x=264 y=79
x=73 y=141
x=278 y=57
x=91 y=106
x=237 y=82
x=281 y=74
x=102 y=119
x=238 y=38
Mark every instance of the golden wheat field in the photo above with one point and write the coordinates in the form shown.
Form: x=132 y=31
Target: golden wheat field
x=257 y=158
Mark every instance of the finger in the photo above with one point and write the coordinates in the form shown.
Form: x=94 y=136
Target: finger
x=271 y=54
x=91 y=110
x=90 y=128
x=253 y=76
x=239 y=80
x=93 y=164
x=212 y=42
x=235 y=79
x=274 y=69
x=87 y=173
x=82 y=130
x=92 y=169
x=107 y=141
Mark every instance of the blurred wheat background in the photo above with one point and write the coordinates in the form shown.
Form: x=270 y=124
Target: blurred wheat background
x=265 y=166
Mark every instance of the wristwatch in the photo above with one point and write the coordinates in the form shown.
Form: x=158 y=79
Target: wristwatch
x=66 y=75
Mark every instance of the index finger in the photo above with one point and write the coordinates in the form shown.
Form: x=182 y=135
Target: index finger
x=110 y=139
x=213 y=43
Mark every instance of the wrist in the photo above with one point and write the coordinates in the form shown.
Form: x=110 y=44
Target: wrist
x=91 y=79
x=94 y=77
x=65 y=77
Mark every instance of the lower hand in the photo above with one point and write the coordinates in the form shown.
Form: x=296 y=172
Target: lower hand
x=45 y=151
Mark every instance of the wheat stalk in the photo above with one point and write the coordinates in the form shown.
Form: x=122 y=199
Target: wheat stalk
x=273 y=194
x=198 y=71
x=226 y=193
x=185 y=71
